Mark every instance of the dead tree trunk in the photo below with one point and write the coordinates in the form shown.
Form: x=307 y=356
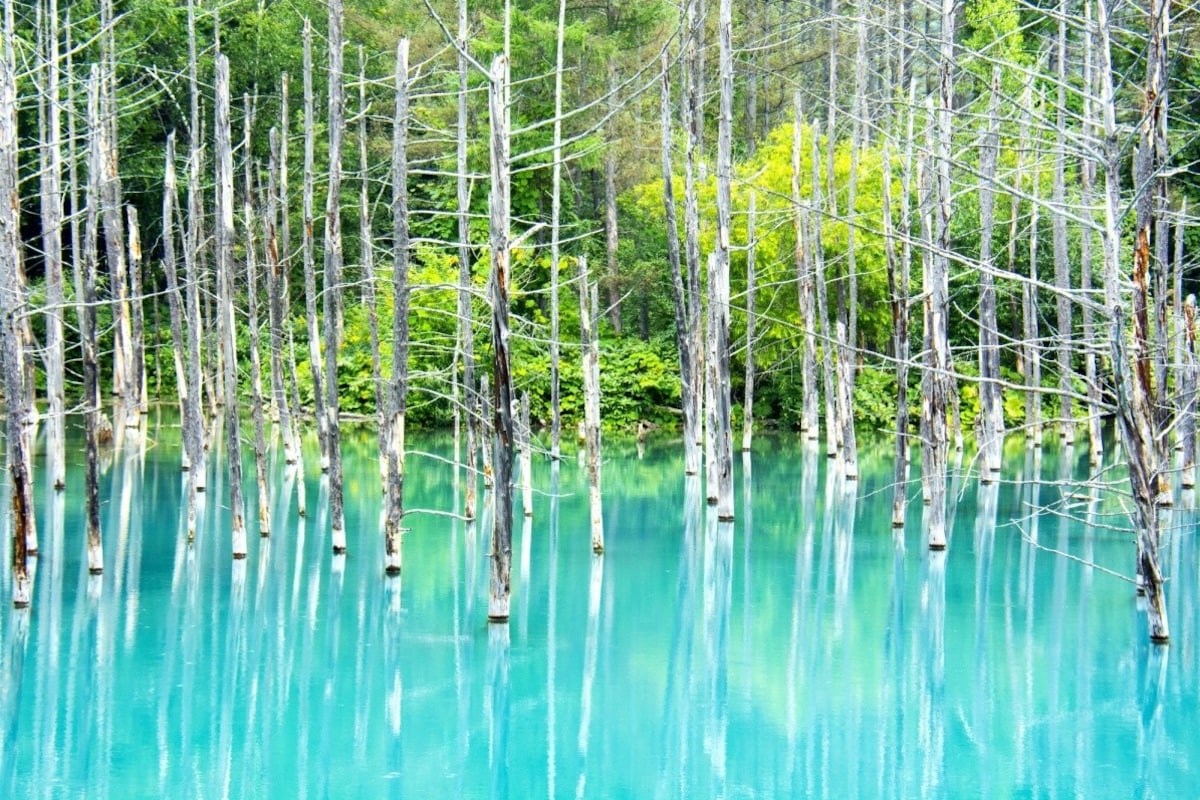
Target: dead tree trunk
x=137 y=323
x=333 y=275
x=991 y=404
x=52 y=232
x=467 y=408
x=591 y=400
x=556 y=230
x=309 y=254
x=751 y=321
x=256 y=384
x=1187 y=411
x=87 y=326
x=693 y=126
x=1029 y=314
x=1087 y=180
x=16 y=408
x=225 y=277
x=898 y=280
x=611 y=236
x=1062 y=263
x=276 y=310
x=822 y=311
x=1132 y=372
x=194 y=246
x=366 y=249
x=680 y=296
x=937 y=290
x=398 y=394
x=804 y=286
x=719 y=285
x=502 y=392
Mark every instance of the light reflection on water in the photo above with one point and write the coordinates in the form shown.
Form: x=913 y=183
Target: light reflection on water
x=805 y=650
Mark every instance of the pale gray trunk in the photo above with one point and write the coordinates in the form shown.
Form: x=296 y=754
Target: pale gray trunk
x=366 y=249
x=693 y=126
x=719 y=286
x=821 y=329
x=1132 y=372
x=525 y=435
x=398 y=390
x=1187 y=411
x=114 y=234
x=1030 y=313
x=611 y=238
x=991 y=405
x=937 y=292
x=898 y=280
x=467 y=408
x=309 y=254
x=591 y=400
x=502 y=391
x=137 y=322
x=52 y=233
x=751 y=322
x=680 y=296
x=87 y=328
x=333 y=276
x=276 y=310
x=16 y=408
x=224 y=253
x=256 y=383
x=804 y=286
x=1062 y=264
x=195 y=245
x=556 y=223
x=1087 y=179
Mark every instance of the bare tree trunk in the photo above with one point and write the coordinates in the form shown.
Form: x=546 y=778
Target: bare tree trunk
x=611 y=239
x=898 y=280
x=194 y=246
x=821 y=327
x=16 y=408
x=276 y=310
x=591 y=400
x=1087 y=170
x=751 y=322
x=937 y=291
x=468 y=408
x=256 y=388
x=87 y=328
x=1029 y=312
x=309 y=255
x=805 y=288
x=398 y=395
x=1187 y=411
x=137 y=321
x=1062 y=263
x=525 y=441
x=991 y=404
x=225 y=277
x=1132 y=375
x=52 y=232
x=502 y=392
x=333 y=275
x=693 y=125
x=681 y=297
x=556 y=226
x=719 y=285
x=366 y=246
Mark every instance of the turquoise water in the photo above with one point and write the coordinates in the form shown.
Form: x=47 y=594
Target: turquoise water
x=805 y=650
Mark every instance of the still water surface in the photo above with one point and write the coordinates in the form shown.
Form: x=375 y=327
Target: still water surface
x=805 y=650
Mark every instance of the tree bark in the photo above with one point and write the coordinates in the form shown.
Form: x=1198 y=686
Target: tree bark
x=751 y=322
x=719 y=285
x=16 y=408
x=1062 y=263
x=502 y=391
x=224 y=252
x=804 y=286
x=898 y=280
x=52 y=233
x=611 y=237
x=137 y=322
x=991 y=409
x=276 y=310
x=366 y=247
x=468 y=408
x=87 y=329
x=693 y=126
x=398 y=394
x=256 y=383
x=333 y=275
x=817 y=254
x=591 y=400
x=1187 y=411
x=556 y=229
x=309 y=256
x=1087 y=179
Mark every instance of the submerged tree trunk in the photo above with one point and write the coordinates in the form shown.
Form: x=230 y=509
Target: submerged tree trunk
x=10 y=300
x=804 y=286
x=591 y=400
x=898 y=279
x=611 y=235
x=1062 y=263
x=333 y=276
x=751 y=321
x=256 y=389
x=52 y=231
x=309 y=254
x=556 y=234
x=991 y=408
x=719 y=285
x=87 y=331
x=693 y=127
x=502 y=391
x=1087 y=180
x=1132 y=371
x=276 y=310
x=467 y=409
x=224 y=251
x=680 y=296
x=821 y=328
x=398 y=394
x=366 y=249
x=1187 y=411
x=137 y=322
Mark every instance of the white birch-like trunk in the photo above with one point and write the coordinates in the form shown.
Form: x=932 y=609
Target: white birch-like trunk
x=52 y=231
x=1187 y=412
x=990 y=399
x=719 y=286
x=256 y=383
x=468 y=407
x=87 y=326
x=591 y=400
x=802 y=258
x=308 y=213
x=332 y=306
x=751 y=323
